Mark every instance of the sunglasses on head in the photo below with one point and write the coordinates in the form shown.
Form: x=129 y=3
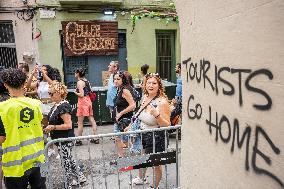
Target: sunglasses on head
x=50 y=94
x=153 y=74
x=120 y=73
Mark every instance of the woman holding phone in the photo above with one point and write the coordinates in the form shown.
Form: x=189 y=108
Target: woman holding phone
x=155 y=113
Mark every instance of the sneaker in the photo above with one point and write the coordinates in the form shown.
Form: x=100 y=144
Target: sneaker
x=151 y=187
x=82 y=177
x=95 y=141
x=58 y=156
x=139 y=181
x=78 y=143
x=74 y=183
x=50 y=152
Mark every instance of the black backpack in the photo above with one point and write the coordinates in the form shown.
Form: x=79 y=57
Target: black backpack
x=136 y=95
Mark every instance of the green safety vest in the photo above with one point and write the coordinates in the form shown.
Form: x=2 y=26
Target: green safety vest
x=24 y=145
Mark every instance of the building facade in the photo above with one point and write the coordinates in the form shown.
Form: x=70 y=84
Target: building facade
x=154 y=40
x=17 y=31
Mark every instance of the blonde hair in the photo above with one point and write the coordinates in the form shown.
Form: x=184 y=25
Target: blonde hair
x=58 y=87
x=161 y=90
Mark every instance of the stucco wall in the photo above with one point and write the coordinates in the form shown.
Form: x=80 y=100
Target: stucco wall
x=141 y=44
x=242 y=90
x=23 y=35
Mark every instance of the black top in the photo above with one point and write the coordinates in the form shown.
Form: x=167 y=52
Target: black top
x=55 y=119
x=121 y=103
x=2 y=129
x=86 y=89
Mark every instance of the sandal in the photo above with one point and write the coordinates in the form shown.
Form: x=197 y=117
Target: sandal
x=95 y=141
x=78 y=143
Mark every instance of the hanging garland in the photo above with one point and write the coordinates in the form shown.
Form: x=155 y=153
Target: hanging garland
x=137 y=15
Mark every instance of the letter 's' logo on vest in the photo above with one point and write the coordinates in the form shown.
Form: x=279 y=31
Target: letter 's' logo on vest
x=26 y=115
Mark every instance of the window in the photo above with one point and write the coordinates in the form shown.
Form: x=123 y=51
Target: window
x=165 y=48
x=8 y=55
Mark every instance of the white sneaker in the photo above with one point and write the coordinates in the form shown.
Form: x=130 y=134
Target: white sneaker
x=82 y=177
x=139 y=181
x=74 y=182
x=50 y=152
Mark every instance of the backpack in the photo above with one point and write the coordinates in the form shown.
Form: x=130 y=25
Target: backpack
x=136 y=95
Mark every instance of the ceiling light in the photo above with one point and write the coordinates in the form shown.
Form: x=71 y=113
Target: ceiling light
x=108 y=11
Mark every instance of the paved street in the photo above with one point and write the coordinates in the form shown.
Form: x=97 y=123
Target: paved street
x=96 y=159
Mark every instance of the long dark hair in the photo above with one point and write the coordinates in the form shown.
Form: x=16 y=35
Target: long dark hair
x=123 y=76
x=81 y=72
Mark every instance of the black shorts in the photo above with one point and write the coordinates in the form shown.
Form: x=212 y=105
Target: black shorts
x=31 y=176
x=147 y=142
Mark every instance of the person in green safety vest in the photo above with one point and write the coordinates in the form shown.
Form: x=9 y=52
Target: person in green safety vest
x=21 y=135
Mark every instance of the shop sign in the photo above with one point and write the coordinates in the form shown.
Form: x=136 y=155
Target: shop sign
x=90 y=38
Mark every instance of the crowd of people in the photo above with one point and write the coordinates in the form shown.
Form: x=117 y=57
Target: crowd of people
x=33 y=104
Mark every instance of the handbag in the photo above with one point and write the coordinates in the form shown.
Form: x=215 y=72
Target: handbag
x=123 y=123
x=92 y=94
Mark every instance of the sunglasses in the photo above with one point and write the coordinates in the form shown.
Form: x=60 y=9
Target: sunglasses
x=50 y=94
x=152 y=75
x=120 y=73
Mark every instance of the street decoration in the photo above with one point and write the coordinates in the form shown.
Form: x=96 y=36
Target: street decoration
x=170 y=16
x=90 y=37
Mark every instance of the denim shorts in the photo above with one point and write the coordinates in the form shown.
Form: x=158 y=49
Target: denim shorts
x=124 y=138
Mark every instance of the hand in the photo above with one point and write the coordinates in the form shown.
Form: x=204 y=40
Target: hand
x=48 y=128
x=118 y=116
x=173 y=102
x=127 y=128
x=35 y=71
x=153 y=111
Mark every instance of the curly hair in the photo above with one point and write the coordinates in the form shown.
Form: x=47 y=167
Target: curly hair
x=58 y=87
x=2 y=87
x=161 y=89
x=14 y=78
x=56 y=75
x=49 y=70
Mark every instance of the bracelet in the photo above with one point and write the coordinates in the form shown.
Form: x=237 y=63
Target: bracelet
x=157 y=116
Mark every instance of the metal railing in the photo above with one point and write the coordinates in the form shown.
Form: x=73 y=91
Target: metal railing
x=102 y=167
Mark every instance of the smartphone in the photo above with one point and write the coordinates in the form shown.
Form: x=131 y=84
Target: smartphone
x=39 y=75
x=153 y=104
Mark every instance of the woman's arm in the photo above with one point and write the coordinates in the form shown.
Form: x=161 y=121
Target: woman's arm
x=30 y=83
x=46 y=78
x=131 y=103
x=80 y=86
x=65 y=126
x=162 y=113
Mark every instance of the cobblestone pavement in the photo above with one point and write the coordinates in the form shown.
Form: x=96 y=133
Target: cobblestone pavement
x=95 y=161
x=104 y=175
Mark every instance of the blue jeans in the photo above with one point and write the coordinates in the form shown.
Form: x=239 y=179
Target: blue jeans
x=136 y=144
x=123 y=138
x=136 y=138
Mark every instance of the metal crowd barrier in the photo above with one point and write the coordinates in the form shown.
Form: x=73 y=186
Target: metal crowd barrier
x=103 y=169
